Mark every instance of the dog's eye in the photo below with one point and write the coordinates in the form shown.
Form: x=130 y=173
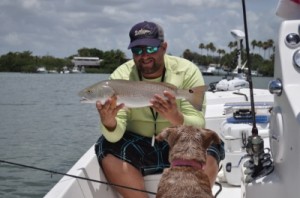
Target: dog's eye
x=191 y=91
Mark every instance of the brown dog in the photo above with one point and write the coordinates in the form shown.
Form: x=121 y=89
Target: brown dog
x=186 y=178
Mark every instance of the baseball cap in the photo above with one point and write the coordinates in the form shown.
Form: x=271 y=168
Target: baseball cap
x=147 y=34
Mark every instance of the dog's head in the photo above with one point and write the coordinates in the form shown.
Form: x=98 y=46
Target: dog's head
x=188 y=142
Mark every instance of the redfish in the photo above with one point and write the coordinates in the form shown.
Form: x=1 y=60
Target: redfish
x=136 y=94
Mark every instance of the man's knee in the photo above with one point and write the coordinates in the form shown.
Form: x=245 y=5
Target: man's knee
x=217 y=151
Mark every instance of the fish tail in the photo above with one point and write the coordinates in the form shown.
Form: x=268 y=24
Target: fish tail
x=196 y=96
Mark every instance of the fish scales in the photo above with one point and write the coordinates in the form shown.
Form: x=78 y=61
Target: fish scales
x=140 y=89
x=139 y=93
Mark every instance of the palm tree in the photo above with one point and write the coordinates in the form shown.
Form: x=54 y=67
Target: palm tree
x=187 y=54
x=265 y=46
x=201 y=47
x=220 y=52
x=231 y=45
x=254 y=44
x=207 y=47
x=211 y=47
x=270 y=45
x=259 y=44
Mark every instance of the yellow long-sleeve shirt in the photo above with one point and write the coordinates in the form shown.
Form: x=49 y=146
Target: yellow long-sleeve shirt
x=179 y=72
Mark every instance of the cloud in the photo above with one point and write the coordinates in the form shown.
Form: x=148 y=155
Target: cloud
x=61 y=27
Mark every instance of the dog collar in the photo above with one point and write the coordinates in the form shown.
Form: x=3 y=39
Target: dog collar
x=192 y=163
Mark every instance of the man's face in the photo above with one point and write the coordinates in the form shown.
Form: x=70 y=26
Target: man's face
x=149 y=60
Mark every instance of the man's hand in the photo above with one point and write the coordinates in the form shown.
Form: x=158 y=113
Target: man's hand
x=108 y=112
x=167 y=107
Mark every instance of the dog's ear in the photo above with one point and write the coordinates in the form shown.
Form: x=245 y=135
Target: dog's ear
x=167 y=134
x=209 y=137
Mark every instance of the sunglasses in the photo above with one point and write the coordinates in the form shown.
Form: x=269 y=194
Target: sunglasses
x=148 y=50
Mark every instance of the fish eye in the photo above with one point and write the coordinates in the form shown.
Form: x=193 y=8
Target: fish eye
x=89 y=91
x=191 y=91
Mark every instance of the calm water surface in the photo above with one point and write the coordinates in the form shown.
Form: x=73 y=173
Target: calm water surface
x=43 y=124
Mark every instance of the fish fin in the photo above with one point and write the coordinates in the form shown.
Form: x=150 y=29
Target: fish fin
x=197 y=96
x=169 y=85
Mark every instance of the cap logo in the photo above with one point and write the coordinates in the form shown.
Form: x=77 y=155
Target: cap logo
x=141 y=32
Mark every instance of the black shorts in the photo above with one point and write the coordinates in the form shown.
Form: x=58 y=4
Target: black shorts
x=138 y=151
x=217 y=151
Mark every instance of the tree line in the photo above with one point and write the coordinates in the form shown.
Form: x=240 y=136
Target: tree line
x=228 y=61
x=27 y=62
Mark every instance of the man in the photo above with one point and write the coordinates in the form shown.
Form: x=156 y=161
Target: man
x=127 y=151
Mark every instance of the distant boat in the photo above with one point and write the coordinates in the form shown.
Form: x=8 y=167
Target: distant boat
x=75 y=70
x=52 y=71
x=245 y=71
x=65 y=70
x=41 y=70
x=220 y=72
x=78 y=70
x=209 y=71
x=255 y=73
x=214 y=69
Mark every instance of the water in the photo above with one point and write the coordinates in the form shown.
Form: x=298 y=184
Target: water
x=43 y=124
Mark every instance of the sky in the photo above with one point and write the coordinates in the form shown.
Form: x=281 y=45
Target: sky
x=60 y=27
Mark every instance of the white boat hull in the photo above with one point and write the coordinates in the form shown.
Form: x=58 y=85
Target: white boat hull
x=283 y=138
x=88 y=167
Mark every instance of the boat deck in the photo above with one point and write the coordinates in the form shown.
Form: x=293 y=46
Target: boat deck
x=88 y=167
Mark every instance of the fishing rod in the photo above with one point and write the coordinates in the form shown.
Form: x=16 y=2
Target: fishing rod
x=92 y=180
x=260 y=163
x=249 y=75
x=74 y=176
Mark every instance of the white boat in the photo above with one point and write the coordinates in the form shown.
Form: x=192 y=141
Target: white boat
x=220 y=72
x=53 y=71
x=75 y=70
x=65 y=70
x=210 y=69
x=278 y=176
x=41 y=70
x=78 y=70
x=215 y=69
x=245 y=70
x=88 y=166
